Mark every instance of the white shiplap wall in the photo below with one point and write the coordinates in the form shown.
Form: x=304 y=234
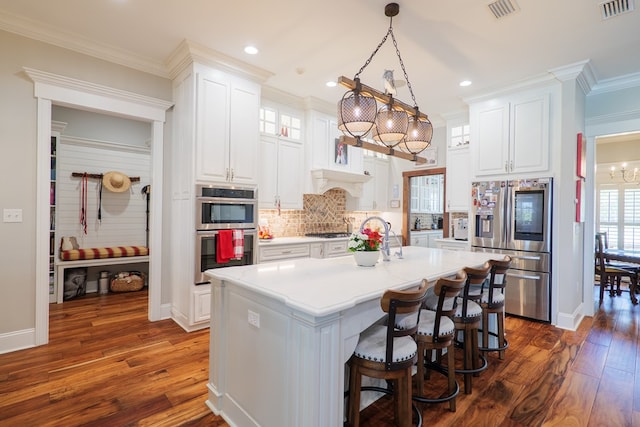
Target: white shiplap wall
x=123 y=214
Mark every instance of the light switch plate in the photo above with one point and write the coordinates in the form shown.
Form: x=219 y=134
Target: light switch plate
x=254 y=318
x=12 y=215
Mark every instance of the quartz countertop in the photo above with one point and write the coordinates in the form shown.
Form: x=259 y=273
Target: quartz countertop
x=320 y=287
x=297 y=239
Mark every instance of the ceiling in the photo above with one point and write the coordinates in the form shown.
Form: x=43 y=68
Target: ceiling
x=305 y=44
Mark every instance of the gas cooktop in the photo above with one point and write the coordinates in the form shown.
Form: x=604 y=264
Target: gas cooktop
x=329 y=235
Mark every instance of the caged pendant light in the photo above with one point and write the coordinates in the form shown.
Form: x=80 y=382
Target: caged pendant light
x=394 y=124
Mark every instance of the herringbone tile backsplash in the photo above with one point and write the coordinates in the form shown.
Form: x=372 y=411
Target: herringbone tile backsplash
x=321 y=213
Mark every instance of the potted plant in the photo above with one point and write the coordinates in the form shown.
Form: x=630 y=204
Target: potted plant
x=365 y=246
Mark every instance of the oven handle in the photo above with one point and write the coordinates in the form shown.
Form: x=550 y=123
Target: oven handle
x=247 y=232
x=226 y=200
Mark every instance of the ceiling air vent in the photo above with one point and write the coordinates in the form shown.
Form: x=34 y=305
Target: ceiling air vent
x=502 y=8
x=613 y=8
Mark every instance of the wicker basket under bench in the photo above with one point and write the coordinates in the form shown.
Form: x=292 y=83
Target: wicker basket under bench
x=119 y=257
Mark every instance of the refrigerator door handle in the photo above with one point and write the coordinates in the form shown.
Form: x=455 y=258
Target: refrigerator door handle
x=530 y=258
x=524 y=276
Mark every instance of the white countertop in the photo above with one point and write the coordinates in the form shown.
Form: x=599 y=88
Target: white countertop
x=299 y=239
x=321 y=287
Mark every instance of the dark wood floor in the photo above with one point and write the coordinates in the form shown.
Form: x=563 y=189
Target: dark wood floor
x=106 y=364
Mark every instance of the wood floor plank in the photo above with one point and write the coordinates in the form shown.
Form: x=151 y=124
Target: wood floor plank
x=591 y=359
x=572 y=405
x=613 y=405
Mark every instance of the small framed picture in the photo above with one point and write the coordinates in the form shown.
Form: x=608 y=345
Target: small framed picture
x=341 y=153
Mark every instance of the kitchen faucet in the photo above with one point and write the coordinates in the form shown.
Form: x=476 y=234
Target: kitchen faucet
x=386 y=254
x=395 y=236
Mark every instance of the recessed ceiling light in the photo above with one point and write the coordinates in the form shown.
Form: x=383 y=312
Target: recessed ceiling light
x=465 y=83
x=331 y=84
x=251 y=50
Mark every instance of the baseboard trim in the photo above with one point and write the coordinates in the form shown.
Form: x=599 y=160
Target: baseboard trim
x=17 y=340
x=570 y=321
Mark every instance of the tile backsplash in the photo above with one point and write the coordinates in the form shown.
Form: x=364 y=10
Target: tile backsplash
x=321 y=213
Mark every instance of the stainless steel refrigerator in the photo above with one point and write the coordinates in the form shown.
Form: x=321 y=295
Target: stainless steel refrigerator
x=514 y=218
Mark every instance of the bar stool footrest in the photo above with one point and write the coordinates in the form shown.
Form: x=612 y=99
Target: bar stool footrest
x=490 y=349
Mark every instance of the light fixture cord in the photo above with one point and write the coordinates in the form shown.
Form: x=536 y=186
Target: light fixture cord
x=395 y=44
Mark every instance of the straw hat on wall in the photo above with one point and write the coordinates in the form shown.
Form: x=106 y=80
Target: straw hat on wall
x=116 y=182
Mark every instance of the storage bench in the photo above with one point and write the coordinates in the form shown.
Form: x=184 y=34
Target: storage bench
x=96 y=257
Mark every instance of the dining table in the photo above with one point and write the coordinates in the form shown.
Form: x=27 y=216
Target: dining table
x=629 y=256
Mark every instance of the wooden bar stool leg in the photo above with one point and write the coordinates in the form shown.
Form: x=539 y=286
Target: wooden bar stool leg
x=468 y=359
x=501 y=340
x=485 y=328
x=354 y=396
x=451 y=363
x=420 y=369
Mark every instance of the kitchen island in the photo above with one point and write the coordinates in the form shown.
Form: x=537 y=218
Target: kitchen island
x=282 y=332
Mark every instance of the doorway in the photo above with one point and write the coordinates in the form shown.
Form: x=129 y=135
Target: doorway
x=52 y=89
x=407 y=220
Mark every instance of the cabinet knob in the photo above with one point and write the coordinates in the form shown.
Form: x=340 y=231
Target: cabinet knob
x=231 y=174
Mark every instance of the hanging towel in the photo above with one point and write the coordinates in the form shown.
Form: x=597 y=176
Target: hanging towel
x=224 y=246
x=238 y=244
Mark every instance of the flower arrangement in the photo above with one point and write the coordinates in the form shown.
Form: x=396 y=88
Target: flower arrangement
x=366 y=240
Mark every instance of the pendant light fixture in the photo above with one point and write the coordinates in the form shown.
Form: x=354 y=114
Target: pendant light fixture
x=394 y=124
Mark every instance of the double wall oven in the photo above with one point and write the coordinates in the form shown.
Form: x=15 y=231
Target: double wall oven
x=223 y=208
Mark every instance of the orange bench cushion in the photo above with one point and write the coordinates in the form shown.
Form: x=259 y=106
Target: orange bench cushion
x=98 y=253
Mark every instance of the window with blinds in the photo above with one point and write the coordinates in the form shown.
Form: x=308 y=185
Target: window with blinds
x=619 y=215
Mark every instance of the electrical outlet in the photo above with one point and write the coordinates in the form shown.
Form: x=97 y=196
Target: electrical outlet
x=12 y=215
x=254 y=319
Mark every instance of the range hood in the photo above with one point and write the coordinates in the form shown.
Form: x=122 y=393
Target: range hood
x=326 y=179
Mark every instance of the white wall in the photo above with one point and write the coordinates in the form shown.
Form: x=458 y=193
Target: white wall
x=18 y=120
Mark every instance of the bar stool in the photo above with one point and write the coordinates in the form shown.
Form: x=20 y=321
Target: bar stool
x=467 y=320
x=388 y=353
x=436 y=332
x=492 y=302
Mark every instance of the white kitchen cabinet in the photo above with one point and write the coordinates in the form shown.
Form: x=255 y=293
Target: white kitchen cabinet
x=452 y=244
x=335 y=248
x=280 y=172
x=427 y=194
x=511 y=134
x=316 y=250
x=281 y=252
x=432 y=236
x=458 y=179
x=419 y=239
x=375 y=192
x=227 y=128
x=322 y=133
x=201 y=304
x=425 y=239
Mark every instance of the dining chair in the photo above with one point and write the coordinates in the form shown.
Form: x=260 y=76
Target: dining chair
x=611 y=274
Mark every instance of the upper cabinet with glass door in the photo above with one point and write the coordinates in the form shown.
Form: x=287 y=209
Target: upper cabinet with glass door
x=280 y=159
x=427 y=194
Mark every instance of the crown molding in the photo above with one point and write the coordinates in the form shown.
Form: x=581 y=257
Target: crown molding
x=581 y=71
x=278 y=96
x=617 y=83
x=73 y=41
x=154 y=107
x=189 y=52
